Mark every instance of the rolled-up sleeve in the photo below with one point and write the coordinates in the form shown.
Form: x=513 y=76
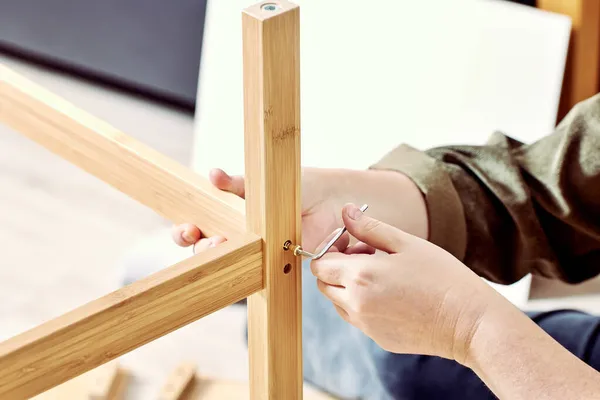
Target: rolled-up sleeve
x=507 y=208
x=447 y=227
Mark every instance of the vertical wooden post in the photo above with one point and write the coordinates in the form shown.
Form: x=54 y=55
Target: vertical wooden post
x=272 y=149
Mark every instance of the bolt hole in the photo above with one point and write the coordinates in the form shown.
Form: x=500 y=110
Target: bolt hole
x=287 y=244
x=270 y=7
x=287 y=268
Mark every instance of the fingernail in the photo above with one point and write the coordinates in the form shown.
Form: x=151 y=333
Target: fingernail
x=354 y=212
x=188 y=237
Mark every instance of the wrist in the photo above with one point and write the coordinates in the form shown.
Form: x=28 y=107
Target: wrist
x=464 y=308
x=489 y=331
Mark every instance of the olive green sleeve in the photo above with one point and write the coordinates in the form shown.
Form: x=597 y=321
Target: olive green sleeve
x=507 y=209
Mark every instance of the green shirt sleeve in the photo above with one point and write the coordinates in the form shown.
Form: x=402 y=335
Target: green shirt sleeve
x=507 y=209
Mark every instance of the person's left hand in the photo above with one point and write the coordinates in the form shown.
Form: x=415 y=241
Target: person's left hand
x=409 y=297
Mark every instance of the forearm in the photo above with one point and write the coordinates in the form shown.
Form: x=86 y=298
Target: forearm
x=392 y=197
x=518 y=360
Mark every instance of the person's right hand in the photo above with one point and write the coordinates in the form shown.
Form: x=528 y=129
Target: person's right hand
x=391 y=196
x=410 y=296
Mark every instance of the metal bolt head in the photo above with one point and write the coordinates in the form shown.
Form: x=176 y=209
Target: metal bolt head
x=297 y=250
x=269 y=7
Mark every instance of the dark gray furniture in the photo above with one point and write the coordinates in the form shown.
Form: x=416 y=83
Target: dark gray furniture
x=149 y=47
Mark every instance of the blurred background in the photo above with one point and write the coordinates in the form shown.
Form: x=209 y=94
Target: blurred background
x=425 y=73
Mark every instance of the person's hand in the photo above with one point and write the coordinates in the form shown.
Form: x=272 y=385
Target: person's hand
x=409 y=297
x=324 y=192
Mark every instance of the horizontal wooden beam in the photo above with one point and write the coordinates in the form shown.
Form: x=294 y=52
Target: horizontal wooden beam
x=135 y=169
x=106 y=328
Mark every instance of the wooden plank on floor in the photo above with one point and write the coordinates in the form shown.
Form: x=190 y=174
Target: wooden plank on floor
x=178 y=383
x=107 y=382
x=215 y=389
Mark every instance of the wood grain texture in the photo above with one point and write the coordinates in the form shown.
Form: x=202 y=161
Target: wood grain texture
x=135 y=169
x=273 y=209
x=106 y=328
x=582 y=73
x=107 y=382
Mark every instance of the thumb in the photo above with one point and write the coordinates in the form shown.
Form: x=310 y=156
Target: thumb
x=372 y=231
x=223 y=181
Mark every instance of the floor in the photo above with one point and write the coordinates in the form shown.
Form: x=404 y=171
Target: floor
x=65 y=237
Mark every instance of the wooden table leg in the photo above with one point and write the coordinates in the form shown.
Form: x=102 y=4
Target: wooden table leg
x=271 y=45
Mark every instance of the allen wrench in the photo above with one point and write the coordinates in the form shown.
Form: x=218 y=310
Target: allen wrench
x=298 y=251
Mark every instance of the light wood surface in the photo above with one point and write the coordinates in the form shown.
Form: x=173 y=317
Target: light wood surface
x=135 y=169
x=104 y=384
x=582 y=71
x=115 y=324
x=180 y=381
x=273 y=209
x=107 y=382
x=216 y=389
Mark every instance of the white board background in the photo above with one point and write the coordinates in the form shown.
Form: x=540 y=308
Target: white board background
x=377 y=74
